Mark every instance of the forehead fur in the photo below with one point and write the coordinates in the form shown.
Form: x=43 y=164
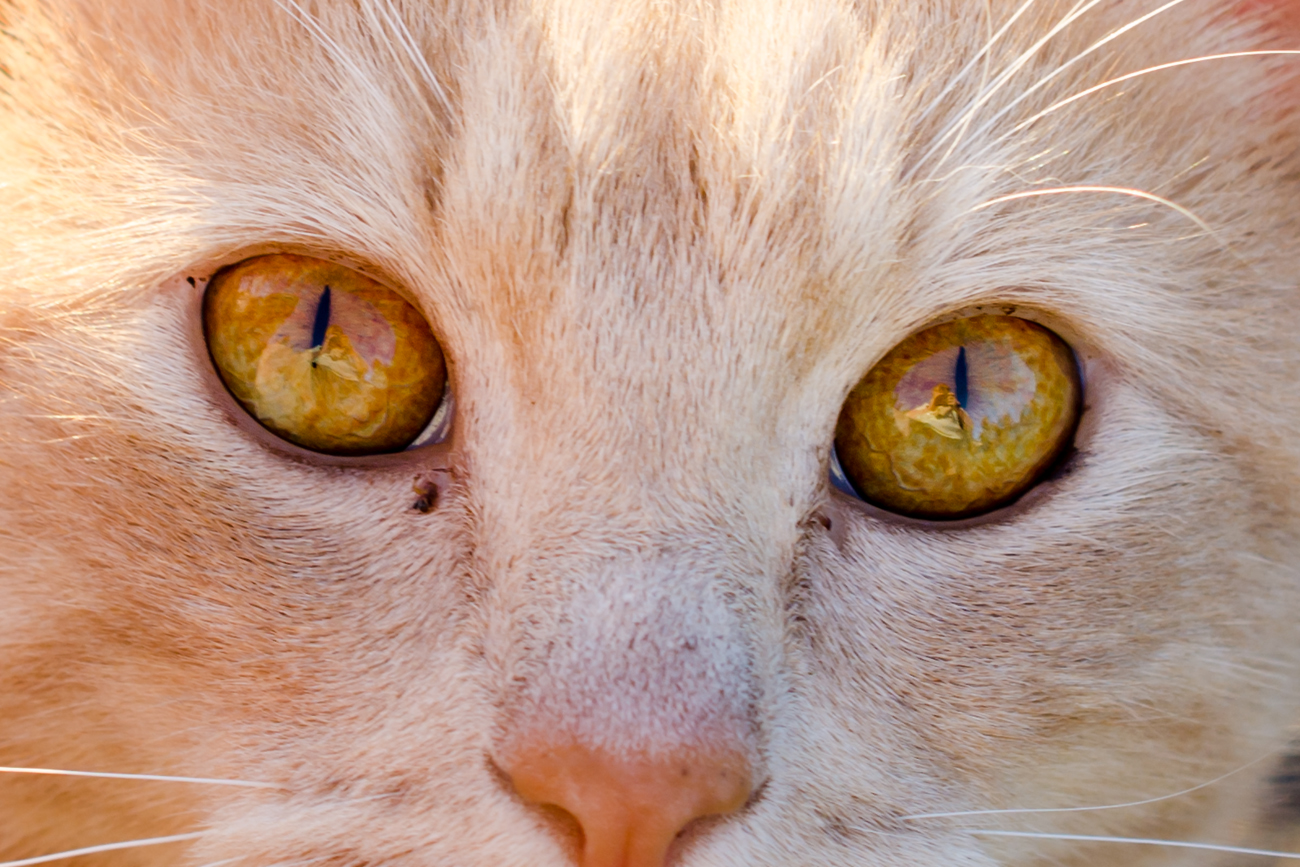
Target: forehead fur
x=805 y=163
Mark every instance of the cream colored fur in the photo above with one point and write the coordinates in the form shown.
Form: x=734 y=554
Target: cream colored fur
x=659 y=242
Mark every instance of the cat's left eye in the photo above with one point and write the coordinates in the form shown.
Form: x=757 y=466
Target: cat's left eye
x=322 y=355
x=960 y=418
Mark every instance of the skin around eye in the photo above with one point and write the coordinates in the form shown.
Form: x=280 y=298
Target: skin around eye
x=960 y=418
x=323 y=356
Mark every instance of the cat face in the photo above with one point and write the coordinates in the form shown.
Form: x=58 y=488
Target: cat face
x=619 y=615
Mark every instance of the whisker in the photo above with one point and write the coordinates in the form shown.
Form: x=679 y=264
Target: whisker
x=1138 y=841
x=965 y=70
x=963 y=121
x=332 y=48
x=398 y=30
x=1042 y=82
x=208 y=781
x=105 y=847
x=1125 y=191
x=1021 y=810
x=1131 y=75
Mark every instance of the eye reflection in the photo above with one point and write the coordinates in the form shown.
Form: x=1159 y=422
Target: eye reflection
x=944 y=414
x=959 y=418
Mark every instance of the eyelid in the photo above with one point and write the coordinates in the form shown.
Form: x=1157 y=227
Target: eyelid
x=1038 y=496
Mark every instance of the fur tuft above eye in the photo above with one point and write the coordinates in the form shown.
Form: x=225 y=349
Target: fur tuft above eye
x=323 y=356
x=960 y=418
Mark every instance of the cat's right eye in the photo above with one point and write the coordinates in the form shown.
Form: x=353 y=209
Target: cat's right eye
x=960 y=418
x=322 y=355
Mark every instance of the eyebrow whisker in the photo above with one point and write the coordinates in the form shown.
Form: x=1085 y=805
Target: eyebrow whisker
x=1090 y=188
x=1173 y=64
x=1096 y=46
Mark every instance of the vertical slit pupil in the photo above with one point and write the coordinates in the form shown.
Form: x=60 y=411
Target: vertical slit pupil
x=959 y=376
x=322 y=320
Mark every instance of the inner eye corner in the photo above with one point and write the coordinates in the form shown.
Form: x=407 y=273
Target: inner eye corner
x=325 y=357
x=960 y=420
x=439 y=428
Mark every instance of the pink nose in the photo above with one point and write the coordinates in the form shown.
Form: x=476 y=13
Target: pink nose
x=630 y=807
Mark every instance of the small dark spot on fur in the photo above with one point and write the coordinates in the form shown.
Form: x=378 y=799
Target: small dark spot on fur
x=836 y=827
x=190 y=280
x=427 y=491
x=1285 y=784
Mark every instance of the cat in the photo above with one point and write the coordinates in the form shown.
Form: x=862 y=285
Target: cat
x=623 y=605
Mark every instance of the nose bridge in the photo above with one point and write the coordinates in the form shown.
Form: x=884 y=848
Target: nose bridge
x=632 y=653
x=630 y=705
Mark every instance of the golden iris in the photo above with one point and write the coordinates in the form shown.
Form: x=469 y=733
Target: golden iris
x=323 y=356
x=960 y=418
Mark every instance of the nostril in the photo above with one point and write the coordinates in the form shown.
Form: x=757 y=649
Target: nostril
x=629 y=807
x=569 y=827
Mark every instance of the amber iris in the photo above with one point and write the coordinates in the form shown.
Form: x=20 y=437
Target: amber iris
x=323 y=356
x=960 y=418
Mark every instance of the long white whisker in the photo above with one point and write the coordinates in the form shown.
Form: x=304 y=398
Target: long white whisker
x=1131 y=75
x=297 y=13
x=1138 y=841
x=963 y=121
x=965 y=70
x=1125 y=191
x=1042 y=82
x=106 y=847
x=382 y=17
x=1144 y=801
x=207 y=781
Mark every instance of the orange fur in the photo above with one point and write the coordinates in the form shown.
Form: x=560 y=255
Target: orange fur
x=659 y=243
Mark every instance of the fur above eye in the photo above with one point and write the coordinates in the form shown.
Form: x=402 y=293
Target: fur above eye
x=323 y=356
x=960 y=418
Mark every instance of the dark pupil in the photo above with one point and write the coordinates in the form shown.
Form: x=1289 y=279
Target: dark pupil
x=322 y=320
x=958 y=375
